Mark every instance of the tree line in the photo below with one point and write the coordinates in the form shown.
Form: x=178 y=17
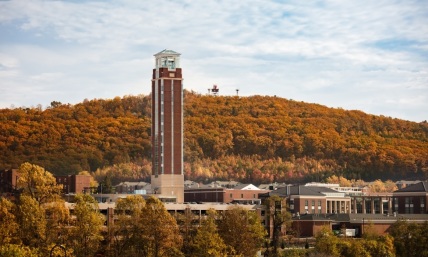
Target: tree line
x=38 y=223
x=256 y=139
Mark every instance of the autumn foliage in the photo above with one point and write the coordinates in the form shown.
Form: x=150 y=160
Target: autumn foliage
x=251 y=139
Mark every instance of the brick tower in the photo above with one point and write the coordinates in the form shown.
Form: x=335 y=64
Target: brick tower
x=167 y=126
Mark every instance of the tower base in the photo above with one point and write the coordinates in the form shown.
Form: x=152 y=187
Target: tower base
x=169 y=185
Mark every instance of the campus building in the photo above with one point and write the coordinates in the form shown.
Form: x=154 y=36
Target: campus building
x=411 y=199
x=240 y=193
x=8 y=179
x=74 y=184
x=167 y=126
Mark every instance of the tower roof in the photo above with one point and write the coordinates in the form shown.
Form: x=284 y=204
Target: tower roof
x=167 y=52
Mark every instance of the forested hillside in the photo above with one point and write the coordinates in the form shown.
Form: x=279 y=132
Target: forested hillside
x=252 y=139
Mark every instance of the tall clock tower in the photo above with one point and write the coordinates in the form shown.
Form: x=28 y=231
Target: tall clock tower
x=167 y=126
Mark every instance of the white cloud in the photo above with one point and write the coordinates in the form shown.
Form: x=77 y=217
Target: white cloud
x=330 y=52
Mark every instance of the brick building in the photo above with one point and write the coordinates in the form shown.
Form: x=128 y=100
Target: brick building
x=8 y=179
x=243 y=193
x=411 y=199
x=74 y=184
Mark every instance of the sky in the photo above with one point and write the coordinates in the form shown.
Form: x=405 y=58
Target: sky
x=357 y=55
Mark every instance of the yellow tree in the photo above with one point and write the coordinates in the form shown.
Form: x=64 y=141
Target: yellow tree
x=382 y=246
x=126 y=232
x=377 y=186
x=32 y=222
x=161 y=237
x=38 y=183
x=57 y=221
x=358 y=183
x=242 y=230
x=356 y=249
x=333 y=179
x=344 y=182
x=92 y=182
x=8 y=225
x=14 y=250
x=86 y=235
x=327 y=242
x=187 y=229
x=42 y=215
x=207 y=242
x=390 y=186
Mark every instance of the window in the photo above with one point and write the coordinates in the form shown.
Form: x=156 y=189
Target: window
x=395 y=200
x=408 y=206
x=359 y=205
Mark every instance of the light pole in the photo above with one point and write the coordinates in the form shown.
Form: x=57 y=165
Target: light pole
x=362 y=228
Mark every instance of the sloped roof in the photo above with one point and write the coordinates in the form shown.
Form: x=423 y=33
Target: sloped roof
x=275 y=185
x=167 y=52
x=126 y=183
x=302 y=191
x=419 y=187
x=246 y=187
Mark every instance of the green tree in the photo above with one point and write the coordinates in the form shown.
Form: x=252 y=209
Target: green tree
x=242 y=231
x=207 y=241
x=86 y=234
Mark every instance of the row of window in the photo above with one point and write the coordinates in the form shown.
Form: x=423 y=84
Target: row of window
x=242 y=196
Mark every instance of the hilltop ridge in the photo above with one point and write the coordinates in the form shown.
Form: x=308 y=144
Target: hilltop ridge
x=252 y=139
